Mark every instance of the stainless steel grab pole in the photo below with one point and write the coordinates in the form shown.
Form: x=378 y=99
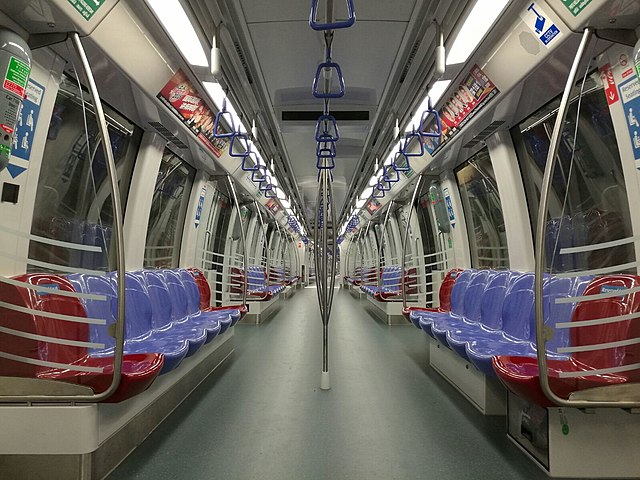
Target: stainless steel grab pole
x=243 y=237
x=597 y=397
x=406 y=236
x=381 y=245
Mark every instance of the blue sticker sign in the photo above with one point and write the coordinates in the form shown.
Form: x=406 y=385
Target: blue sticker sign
x=27 y=121
x=203 y=194
x=15 y=170
x=449 y=204
x=540 y=24
x=630 y=96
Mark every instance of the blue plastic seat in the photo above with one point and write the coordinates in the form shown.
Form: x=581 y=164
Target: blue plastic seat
x=485 y=315
x=517 y=333
x=457 y=302
x=139 y=334
x=188 y=312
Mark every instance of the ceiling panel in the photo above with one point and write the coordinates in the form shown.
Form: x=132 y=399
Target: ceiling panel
x=288 y=10
x=365 y=52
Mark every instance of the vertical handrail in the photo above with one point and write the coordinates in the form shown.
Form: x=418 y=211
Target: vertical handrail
x=324 y=286
x=406 y=236
x=119 y=240
x=380 y=247
x=541 y=231
x=243 y=238
x=264 y=237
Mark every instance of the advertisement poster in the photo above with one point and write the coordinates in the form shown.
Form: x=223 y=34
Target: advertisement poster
x=472 y=95
x=185 y=103
x=373 y=206
x=273 y=206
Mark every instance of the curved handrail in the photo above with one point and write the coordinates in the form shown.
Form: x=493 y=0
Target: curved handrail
x=119 y=244
x=541 y=230
x=243 y=237
x=381 y=245
x=266 y=240
x=406 y=236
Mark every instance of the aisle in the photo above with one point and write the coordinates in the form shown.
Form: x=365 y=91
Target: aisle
x=261 y=415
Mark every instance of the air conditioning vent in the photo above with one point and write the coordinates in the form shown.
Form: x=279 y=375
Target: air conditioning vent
x=243 y=60
x=312 y=115
x=412 y=56
x=484 y=134
x=167 y=135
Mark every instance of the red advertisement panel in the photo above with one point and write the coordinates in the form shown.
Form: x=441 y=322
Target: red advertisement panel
x=181 y=97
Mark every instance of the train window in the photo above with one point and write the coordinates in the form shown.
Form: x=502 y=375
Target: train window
x=168 y=211
x=73 y=200
x=483 y=212
x=588 y=202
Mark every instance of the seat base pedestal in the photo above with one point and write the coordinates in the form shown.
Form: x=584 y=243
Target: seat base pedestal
x=486 y=394
x=570 y=443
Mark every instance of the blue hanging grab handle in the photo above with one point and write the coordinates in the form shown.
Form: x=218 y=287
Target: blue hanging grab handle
x=430 y=111
x=324 y=125
x=317 y=80
x=230 y=121
x=326 y=150
x=265 y=185
x=407 y=141
x=243 y=139
x=256 y=162
x=378 y=192
x=351 y=18
x=259 y=174
x=382 y=186
x=385 y=175
x=398 y=167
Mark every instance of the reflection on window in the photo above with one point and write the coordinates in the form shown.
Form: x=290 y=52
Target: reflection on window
x=168 y=211
x=588 y=202
x=483 y=212
x=73 y=199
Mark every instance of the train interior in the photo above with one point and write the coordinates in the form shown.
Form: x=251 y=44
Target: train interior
x=320 y=239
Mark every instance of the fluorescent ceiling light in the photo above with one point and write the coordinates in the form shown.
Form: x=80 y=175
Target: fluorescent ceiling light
x=177 y=24
x=434 y=95
x=360 y=203
x=475 y=27
x=366 y=193
x=281 y=195
x=218 y=96
x=286 y=204
x=373 y=181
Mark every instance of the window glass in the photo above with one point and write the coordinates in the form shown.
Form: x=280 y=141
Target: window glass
x=483 y=212
x=168 y=211
x=73 y=199
x=588 y=202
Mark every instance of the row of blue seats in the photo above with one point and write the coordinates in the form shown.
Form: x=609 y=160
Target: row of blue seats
x=492 y=313
x=257 y=282
x=162 y=315
x=390 y=281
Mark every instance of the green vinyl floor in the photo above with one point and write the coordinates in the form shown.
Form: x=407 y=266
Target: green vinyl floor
x=262 y=416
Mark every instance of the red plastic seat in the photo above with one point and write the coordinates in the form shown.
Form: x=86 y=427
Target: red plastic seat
x=444 y=295
x=205 y=294
x=138 y=370
x=521 y=375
